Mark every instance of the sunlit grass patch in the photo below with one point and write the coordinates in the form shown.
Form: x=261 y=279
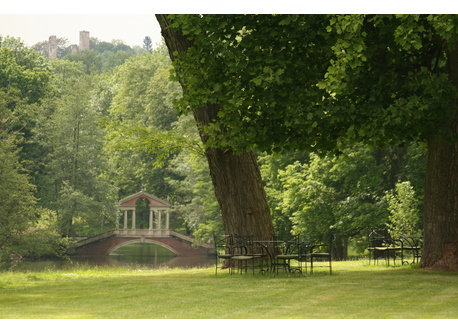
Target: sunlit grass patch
x=354 y=290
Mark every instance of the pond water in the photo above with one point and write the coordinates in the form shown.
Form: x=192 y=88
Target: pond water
x=147 y=255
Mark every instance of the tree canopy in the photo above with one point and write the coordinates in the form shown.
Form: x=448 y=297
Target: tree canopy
x=314 y=81
x=24 y=79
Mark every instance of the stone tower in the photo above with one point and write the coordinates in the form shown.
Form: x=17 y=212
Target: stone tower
x=84 y=40
x=52 y=47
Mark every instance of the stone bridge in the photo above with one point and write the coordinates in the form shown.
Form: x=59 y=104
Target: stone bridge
x=157 y=233
x=107 y=242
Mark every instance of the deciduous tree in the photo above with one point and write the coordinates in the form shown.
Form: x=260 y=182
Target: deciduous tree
x=71 y=181
x=17 y=201
x=318 y=82
x=236 y=177
x=24 y=79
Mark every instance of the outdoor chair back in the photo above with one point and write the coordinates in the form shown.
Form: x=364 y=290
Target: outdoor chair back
x=245 y=253
x=223 y=251
x=383 y=246
x=319 y=253
x=287 y=255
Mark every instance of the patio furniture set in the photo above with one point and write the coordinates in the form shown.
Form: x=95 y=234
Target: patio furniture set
x=383 y=246
x=240 y=254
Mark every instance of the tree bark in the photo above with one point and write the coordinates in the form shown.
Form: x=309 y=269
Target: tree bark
x=440 y=250
x=236 y=177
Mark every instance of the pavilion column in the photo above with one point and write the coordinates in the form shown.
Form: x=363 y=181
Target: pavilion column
x=150 y=219
x=125 y=219
x=167 y=220
x=133 y=219
x=159 y=217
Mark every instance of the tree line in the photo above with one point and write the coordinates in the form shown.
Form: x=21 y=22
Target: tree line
x=84 y=130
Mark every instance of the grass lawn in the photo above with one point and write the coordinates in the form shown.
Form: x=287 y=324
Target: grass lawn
x=355 y=290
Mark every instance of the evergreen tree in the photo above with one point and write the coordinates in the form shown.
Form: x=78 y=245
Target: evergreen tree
x=148 y=44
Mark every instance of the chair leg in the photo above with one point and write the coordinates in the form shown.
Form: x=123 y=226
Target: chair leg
x=311 y=265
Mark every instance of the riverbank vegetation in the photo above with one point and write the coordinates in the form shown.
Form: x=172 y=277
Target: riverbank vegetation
x=355 y=290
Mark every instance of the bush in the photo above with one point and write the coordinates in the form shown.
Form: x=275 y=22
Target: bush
x=403 y=207
x=40 y=243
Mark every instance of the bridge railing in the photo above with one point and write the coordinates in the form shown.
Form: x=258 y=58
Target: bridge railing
x=95 y=238
x=188 y=239
x=143 y=232
x=140 y=233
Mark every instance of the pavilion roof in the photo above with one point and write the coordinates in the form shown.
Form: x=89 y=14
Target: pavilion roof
x=154 y=201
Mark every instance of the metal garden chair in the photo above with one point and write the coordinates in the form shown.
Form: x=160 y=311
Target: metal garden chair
x=223 y=251
x=320 y=253
x=246 y=253
x=411 y=248
x=383 y=246
x=286 y=252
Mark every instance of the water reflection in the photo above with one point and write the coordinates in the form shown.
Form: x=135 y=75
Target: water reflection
x=132 y=255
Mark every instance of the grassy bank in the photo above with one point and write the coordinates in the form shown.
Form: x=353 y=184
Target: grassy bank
x=355 y=290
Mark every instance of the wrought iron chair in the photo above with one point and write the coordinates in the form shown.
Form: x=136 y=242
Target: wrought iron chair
x=320 y=252
x=383 y=246
x=245 y=251
x=223 y=251
x=417 y=242
x=285 y=252
x=411 y=247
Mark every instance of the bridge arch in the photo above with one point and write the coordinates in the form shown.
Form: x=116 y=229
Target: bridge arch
x=109 y=241
x=140 y=241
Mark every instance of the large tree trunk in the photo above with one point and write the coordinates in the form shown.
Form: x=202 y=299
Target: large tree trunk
x=440 y=249
x=240 y=193
x=236 y=177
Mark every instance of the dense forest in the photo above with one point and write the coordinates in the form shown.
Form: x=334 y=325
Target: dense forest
x=83 y=130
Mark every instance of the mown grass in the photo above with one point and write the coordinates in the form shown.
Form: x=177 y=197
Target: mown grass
x=355 y=290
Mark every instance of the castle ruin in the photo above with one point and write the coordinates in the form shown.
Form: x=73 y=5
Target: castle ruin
x=52 y=47
x=84 y=40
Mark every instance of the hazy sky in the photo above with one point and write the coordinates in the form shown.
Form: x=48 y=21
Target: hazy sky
x=34 y=28
x=131 y=20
